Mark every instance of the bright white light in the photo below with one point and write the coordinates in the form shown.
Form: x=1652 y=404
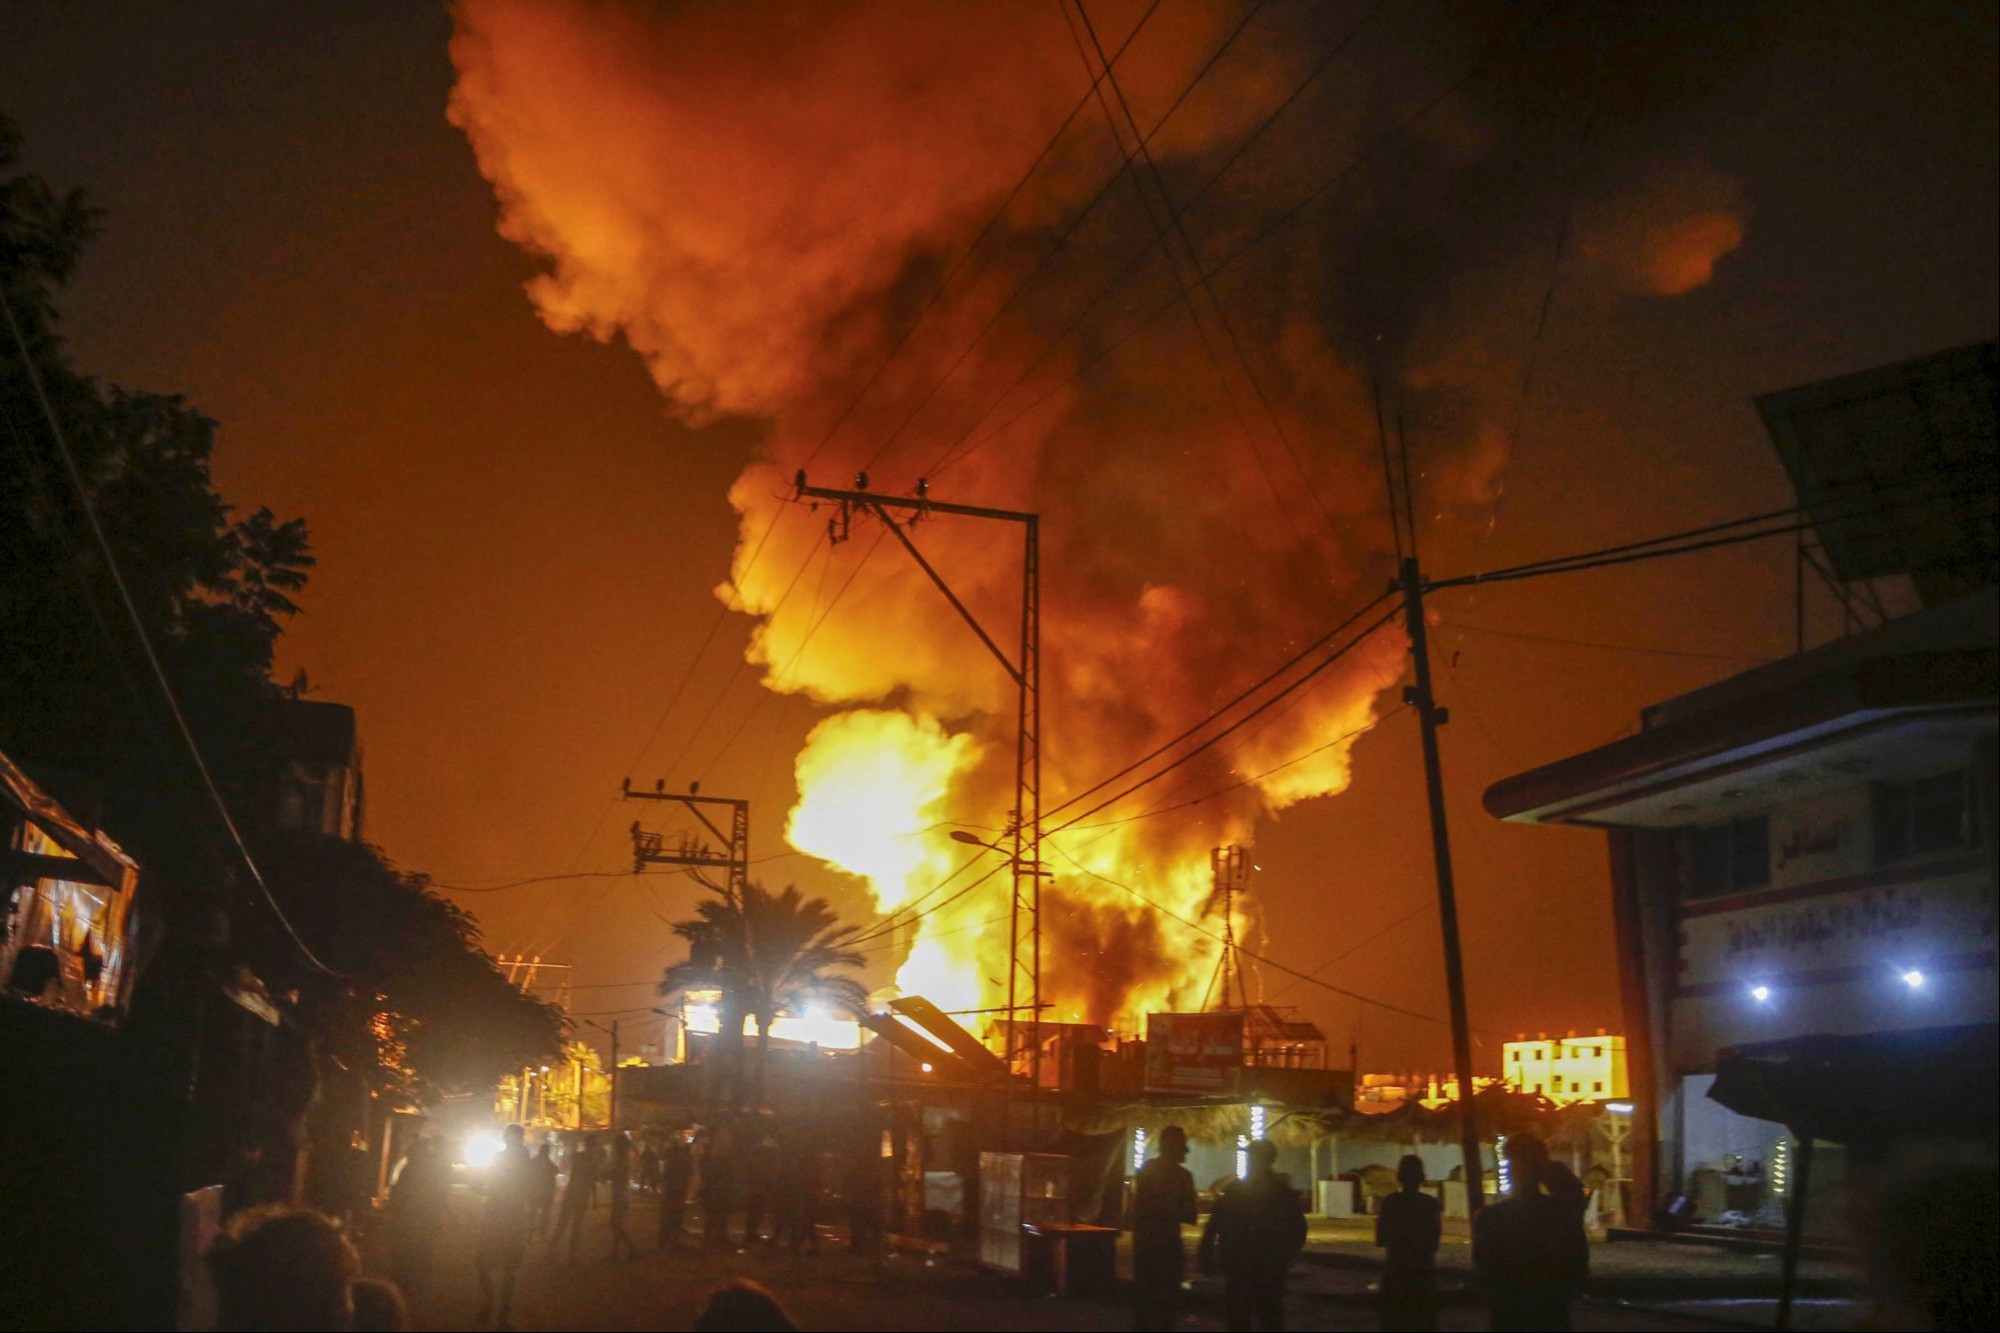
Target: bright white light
x=1243 y=1157
x=1619 y=1108
x=927 y=1069
x=481 y=1149
x=1913 y=979
x=1257 y=1120
x=1761 y=994
x=1138 y=1147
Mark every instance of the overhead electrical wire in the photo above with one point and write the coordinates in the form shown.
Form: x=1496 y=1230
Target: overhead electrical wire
x=1185 y=756
x=1056 y=247
x=959 y=450
x=1246 y=952
x=1241 y=783
x=945 y=280
x=138 y=624
x=1605 y=647
x=1177 y=223
x=963 y=449
x=1216 y=714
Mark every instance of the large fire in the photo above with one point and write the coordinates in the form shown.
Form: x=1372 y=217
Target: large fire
x=764 y=206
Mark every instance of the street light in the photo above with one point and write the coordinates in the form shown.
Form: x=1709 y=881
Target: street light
x=974 y=840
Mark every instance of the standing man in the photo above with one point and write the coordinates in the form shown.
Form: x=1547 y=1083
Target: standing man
x=1530 y=1248
x=619 y=1175
x=1255 y=1229
x=1408 y=1228
x=503 y=1227
x=1163 y=1198
x=676 y=1174
x=576 y=1198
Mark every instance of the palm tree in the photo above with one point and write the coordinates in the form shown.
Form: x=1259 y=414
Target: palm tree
x=766 y=954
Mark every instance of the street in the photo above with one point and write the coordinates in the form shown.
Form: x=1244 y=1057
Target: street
x=834 y=1290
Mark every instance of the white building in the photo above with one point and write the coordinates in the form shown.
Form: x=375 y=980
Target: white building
x=1568 y=1069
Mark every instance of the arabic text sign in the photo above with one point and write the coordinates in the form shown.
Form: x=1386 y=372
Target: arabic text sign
x=1193 y=1052
x=1899 y=925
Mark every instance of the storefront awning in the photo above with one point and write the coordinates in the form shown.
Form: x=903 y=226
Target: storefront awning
x=1869 y=1090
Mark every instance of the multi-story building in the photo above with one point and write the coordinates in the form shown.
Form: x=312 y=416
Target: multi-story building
x=319 y=787
x=1568 y=1069
x=1803 y=855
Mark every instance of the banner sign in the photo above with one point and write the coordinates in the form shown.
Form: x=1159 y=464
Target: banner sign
x=1193 y=1052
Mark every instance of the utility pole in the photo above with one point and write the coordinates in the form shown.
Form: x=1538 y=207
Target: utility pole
x=1229 y=872
x=1024 y=968
x=650 y=848
x=1430 y=717
x=614 y=1076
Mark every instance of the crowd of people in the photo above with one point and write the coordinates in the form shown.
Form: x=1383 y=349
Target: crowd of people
x=754 y=1185
x=293 y=1268
x=1530 y=1249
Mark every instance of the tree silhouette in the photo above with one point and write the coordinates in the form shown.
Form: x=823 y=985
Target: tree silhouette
x=765 y=955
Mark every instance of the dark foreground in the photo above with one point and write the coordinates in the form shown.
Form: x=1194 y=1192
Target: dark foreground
x=838 y=1290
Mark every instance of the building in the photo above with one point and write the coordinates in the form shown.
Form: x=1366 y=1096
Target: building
x=1803 y=855
x=1568 y=1069
x=319 y=785
x=67 y=940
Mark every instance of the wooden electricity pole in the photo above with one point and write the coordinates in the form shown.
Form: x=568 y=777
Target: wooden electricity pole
x=1430 y=717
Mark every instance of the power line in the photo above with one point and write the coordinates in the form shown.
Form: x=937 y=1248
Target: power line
x=1361 y=944
x=1862 y=500
x=1299 y=758
x=1058 y=246
x=1607 y=647
x=1183 y=758
x=34 y=376
x=568 y=875
x=1251 y=953
x=960 y=450
x=1214 y=715
x=1174 y=225
x=958 y=266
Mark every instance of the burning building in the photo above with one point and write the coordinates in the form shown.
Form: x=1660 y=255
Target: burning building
x=1169 y=333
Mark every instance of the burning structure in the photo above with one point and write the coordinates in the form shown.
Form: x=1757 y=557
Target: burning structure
x=1169 y=333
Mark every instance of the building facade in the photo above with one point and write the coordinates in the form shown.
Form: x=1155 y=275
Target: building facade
x=1802 y=858
x=1803 y=855
x=1568 y=1069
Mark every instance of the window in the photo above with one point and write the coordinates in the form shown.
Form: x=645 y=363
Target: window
x=1730 y=858
x=1924 y=816
x=1597 y=1086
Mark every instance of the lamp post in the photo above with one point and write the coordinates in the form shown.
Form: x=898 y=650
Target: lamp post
x=1035 y=870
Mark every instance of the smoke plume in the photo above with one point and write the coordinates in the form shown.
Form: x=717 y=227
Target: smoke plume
x=1181 y=378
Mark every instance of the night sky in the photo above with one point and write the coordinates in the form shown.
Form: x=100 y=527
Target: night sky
x=518 y=543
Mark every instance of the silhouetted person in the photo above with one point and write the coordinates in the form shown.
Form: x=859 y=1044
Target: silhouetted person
x=378 y=1307
x=1163 y=1197
x=1255 y=1229
x=799 y=1188
x=1529 y=1248
x=282 y=1268
x=861 y=1191
x=1931 y=1232
x=718 y=1187
x=676 y=1174
x=1407 y=1227
x=541 y=1190
x=576 y=1199
x=619 y=1177
x=418 y=1206
x=503 y=1227
x=760 y=1181
x=743 y=1306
